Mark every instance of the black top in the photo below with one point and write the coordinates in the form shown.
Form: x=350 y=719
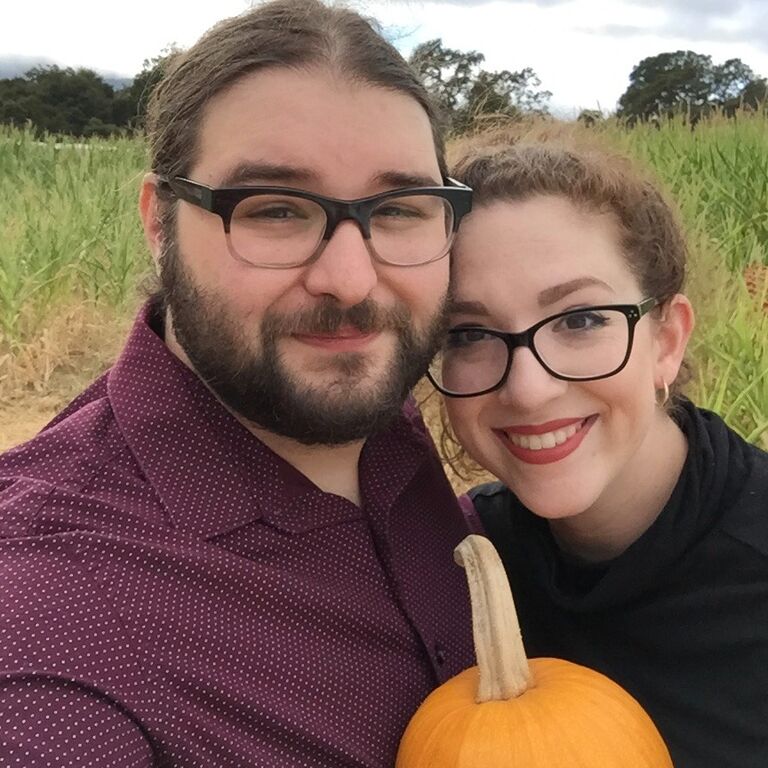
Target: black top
x=680 y=619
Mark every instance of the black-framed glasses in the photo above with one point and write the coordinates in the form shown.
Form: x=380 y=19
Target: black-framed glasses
x=280 y=228
x=578 y=345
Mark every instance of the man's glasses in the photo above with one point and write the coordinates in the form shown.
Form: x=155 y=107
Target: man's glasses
x=280 y=228
x=578 y=345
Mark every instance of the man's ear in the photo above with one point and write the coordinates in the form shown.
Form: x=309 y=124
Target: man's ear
x=673 y=330
x=150 y=217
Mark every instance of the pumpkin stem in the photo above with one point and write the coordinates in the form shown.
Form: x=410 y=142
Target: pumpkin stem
x=503 y=667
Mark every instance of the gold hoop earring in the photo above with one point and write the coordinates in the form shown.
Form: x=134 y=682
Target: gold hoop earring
x=665 y=394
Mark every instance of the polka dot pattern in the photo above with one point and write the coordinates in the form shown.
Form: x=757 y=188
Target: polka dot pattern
x=174 y=594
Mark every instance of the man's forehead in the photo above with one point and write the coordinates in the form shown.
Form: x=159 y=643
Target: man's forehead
x=247 y=172
x=311 y=127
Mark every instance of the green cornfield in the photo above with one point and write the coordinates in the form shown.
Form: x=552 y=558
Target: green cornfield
x=71 y=247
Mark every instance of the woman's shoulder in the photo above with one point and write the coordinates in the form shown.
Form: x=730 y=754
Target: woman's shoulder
x=742 y=495
x=727 y=446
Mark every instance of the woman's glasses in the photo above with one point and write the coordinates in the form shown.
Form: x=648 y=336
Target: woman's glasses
x=578 y=345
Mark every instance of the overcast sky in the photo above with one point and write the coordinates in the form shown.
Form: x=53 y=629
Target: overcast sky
x=583 y=50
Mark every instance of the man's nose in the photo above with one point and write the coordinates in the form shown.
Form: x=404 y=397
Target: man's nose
x=345 y=268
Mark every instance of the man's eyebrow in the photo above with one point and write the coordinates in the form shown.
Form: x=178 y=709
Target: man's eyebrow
x=556 y=292
x=398 y=180
x=249 y=173
x=467 y=308
x=259 y=173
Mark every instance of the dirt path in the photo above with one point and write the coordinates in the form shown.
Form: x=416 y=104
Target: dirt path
x=24 y=417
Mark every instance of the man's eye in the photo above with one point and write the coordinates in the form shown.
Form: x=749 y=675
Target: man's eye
x=275 y=209
x=397 y=211
x=275 y=212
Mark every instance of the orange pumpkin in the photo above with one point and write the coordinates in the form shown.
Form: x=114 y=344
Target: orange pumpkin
x=508 y=712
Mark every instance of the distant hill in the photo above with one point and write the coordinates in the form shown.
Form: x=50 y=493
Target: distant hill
x=16 y=66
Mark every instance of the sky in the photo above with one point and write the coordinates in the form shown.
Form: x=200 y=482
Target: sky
x=582 y=50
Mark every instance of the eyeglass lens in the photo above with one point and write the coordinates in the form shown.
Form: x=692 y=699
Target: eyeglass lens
x=580 y=345
x=283 y=230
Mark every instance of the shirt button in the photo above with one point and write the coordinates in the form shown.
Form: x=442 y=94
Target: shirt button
x=439 y=654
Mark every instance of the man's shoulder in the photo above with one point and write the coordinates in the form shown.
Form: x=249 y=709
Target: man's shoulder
x=78 y=438
x=77 y=467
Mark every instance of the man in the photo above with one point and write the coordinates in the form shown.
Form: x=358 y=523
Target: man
x=235 y=548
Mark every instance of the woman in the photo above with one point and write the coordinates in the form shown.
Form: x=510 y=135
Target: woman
x=633 y=526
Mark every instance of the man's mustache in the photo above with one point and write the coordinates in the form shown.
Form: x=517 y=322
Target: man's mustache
x=328 y=317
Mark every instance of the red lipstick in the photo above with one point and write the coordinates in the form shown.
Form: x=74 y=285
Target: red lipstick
x=545 y=455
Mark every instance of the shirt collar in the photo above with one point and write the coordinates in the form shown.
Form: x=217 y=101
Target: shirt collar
x=230 y=478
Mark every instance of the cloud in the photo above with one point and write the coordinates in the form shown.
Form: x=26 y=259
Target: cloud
x=711 y=21
x=698 y=21
x=475 y=3
x=582 y=50
x=700 y=8
x=694 y=7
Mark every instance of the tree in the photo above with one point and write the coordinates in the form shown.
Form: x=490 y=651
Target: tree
x=665 y=83
x=130 y=104
x=55 y=100
x=17 y=105
x=469 y=94
x=755 y=94
x=590 y=117
x=79 y=102
x=729 y=80
x=685 y=81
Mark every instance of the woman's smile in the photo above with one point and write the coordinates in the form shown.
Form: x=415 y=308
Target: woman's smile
x=545 y=443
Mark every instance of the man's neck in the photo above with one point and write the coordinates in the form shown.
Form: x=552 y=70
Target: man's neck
x=332 y=468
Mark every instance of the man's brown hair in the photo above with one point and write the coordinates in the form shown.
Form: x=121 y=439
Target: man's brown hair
x=284 y=33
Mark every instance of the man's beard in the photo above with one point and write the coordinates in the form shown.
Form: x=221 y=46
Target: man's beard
x=256 y=385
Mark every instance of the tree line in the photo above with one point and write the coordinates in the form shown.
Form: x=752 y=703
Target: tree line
x=79 y=102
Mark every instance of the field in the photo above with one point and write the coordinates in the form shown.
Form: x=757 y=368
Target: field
x=72 y=256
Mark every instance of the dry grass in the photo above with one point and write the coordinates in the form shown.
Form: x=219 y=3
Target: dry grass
x=43 y=375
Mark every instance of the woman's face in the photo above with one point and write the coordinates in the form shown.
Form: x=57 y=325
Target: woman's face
x=561 y=446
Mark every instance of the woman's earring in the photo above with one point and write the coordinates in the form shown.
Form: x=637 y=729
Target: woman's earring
x=665 y=394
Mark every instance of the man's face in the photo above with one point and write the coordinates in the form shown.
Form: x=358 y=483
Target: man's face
x=323 y=353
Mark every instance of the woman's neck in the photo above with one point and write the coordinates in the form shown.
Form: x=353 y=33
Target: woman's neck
x=631 y=504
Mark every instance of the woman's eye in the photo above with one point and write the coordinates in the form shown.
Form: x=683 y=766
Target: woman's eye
x=582 y=321
x=461 y=337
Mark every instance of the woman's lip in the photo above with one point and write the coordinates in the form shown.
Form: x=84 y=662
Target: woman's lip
x=540 y=429
x=547 y=455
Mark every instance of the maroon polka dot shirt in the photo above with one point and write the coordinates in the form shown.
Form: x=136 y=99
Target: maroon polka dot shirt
x=174 y=594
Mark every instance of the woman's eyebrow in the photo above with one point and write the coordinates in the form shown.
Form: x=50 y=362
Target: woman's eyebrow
x=468 y=308
x=556 y=292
